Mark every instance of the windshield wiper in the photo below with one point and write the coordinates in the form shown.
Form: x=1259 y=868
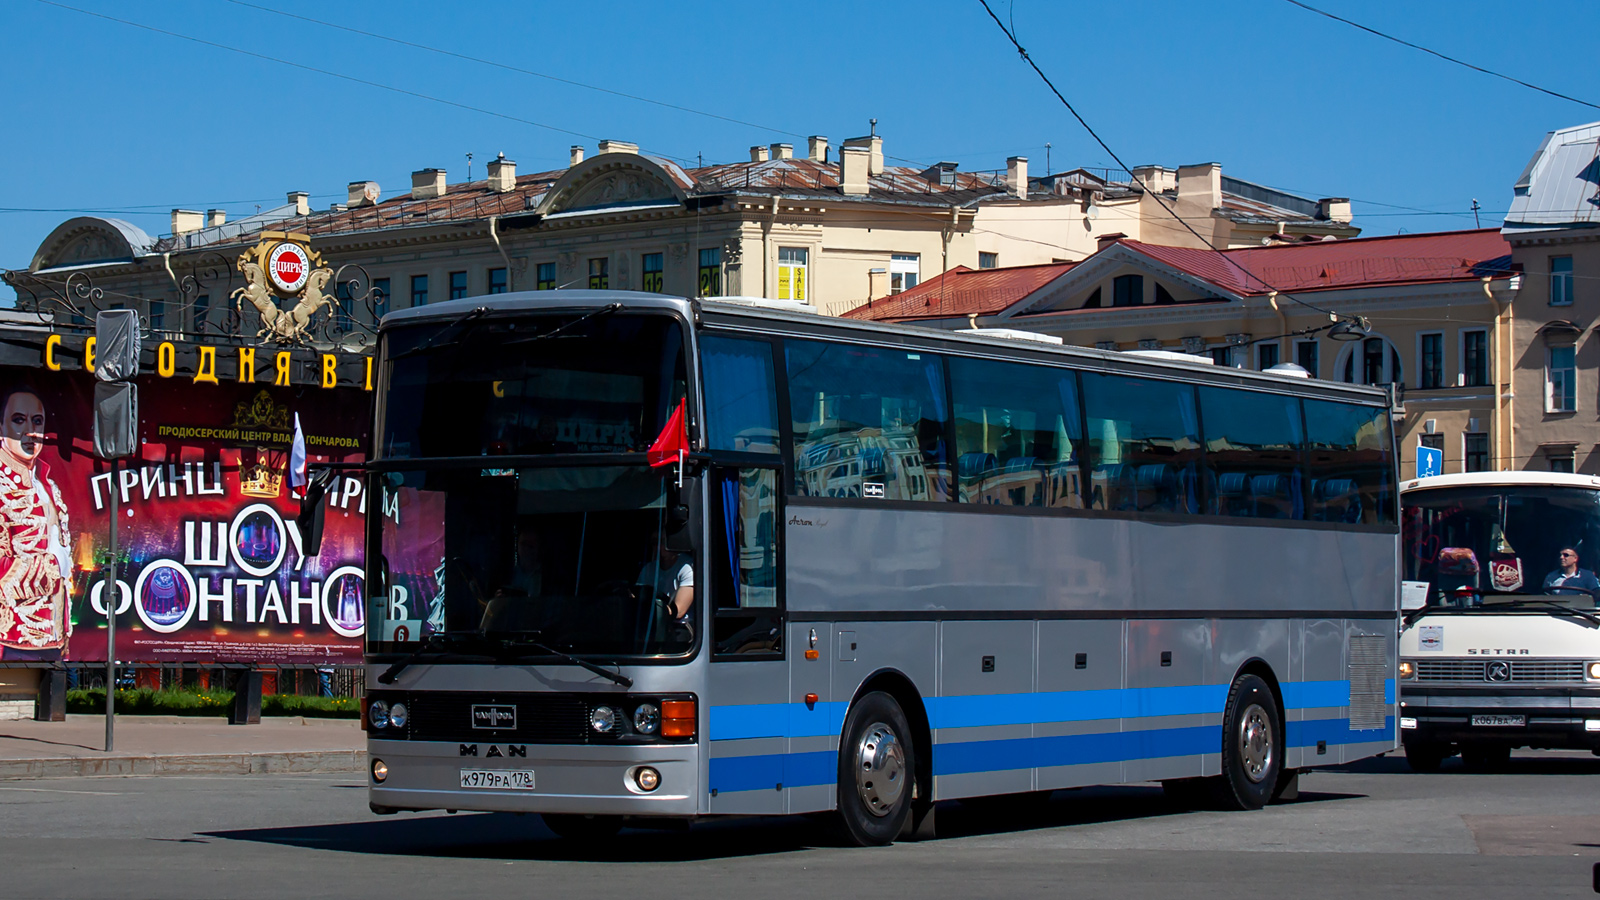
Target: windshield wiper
x=430 y=343
x=608 y=308
x=432 y=648
x=521 y=638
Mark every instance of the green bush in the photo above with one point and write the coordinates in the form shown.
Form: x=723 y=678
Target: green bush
x=149 y=702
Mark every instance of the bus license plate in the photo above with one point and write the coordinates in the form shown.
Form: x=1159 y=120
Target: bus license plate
x=1500 y=721
x=497 y=779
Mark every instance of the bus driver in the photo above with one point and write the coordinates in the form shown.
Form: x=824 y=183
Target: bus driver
x=1568 y=578
x=668 y=574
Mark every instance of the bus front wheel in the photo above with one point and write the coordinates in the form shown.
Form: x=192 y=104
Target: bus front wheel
x=1252 y=745
x=876 y=769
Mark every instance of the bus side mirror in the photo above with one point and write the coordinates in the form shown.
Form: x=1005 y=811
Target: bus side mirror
x=312 y=509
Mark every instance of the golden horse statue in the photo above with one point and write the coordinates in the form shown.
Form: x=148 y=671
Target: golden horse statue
x=284 y=326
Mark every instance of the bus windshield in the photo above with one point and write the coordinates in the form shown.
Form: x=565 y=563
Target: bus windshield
x=581 y=559
x=594 y=381
x=1471 y=546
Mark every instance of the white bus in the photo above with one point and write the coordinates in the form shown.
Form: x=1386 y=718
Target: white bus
x=1501 y=641
x=893 y=566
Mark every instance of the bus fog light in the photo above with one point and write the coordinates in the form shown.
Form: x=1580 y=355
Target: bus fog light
x=378 y=714
x=646 y=719
x=380 y=770
x=603 y=719
x=647 y=779
x=1591 y=724
x=1594 y=671
x=1407 y=722
x=398 y=715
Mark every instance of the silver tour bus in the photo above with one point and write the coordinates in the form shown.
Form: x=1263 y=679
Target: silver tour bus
x=864 y=568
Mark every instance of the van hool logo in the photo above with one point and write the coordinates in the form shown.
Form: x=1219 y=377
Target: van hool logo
x=494 y=716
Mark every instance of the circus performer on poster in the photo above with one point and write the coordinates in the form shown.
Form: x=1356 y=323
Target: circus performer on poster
x=35 y=560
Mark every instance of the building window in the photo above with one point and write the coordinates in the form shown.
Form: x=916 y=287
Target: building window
x=458 y=285
x=1475 y=358
x=419 y=290
x=202 y=312
x=1560 y=281
x=904 y=271
x=1476 y=452
x=344 y=318
x=599 y=274
x=1266 y=355
x=546 y=277
x=792 y=273
x=988 y=260
x=1373 y=361
x=1433 y=441
x=158 y=315
x=1430 y=356
x=380 y=294
x=1305 y=356
x=497 y=281
x=1561 y=459
x=1560 y=380
x=709 y=283
x=1127 y=290
x=652 y=273
x=1224 y=356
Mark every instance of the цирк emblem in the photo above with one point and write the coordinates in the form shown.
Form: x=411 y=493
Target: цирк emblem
x=283 y=265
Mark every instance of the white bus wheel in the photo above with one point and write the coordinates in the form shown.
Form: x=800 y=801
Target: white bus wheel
x=877 y=767
x=1252 y=745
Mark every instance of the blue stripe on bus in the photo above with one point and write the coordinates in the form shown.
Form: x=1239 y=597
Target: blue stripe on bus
x=769 y=771
x=763 y=720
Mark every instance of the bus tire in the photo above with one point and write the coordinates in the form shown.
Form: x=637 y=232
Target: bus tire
x=575 y=827
x=1426 y=757
x=877 y=766
x=1252 y=745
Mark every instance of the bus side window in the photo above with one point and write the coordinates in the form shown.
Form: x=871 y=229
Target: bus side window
x=1018 y=434
x=743 y=558
x=1144 y=437
x=741 y=402
x=868 y=422
x=1352 y=470
x=1255 y=451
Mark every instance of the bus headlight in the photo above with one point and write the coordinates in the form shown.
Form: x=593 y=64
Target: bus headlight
x=1408 y=669
x=646 y=719
x=378 y=714
x=603 y=719
x=647 y=779
x=398 y=716
x=1593 y=671
x=380 y=771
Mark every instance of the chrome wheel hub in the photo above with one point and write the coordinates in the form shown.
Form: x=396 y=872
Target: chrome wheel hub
x=880 y=769
x=1255 y=742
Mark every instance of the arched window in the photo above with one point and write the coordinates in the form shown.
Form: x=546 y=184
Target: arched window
x=1373 y=360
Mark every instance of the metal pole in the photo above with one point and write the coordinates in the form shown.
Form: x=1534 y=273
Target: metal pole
x=111 y=601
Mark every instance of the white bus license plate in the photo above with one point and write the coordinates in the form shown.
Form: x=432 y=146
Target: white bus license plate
x=497 y=779
x=1500 y=721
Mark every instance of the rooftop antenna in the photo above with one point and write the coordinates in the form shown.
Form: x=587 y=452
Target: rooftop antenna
x=1047 y=169
x=469 y=166
x=874 y=127
x=1475 y=208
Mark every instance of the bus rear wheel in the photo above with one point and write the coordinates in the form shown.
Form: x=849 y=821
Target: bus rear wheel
x=876 y=768
x=582 y=828
x=1252 y=745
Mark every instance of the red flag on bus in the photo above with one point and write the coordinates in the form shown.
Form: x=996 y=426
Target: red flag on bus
x=672 y=442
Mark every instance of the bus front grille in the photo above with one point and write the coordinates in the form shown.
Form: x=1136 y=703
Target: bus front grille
x=541 y=718
x=1475 y=671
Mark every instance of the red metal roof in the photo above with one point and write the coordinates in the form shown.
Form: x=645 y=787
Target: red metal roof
x=962 y=292
x=1333 y=265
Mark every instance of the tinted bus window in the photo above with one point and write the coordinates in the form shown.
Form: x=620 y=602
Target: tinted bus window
x=741 y=403
x=1144 y=441
x=1352 y=472
x=868 y=422
x=1017 y=434
x=1255 y=452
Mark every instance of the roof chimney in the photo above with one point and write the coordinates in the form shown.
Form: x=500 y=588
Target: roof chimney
x=1335 y=208
x=301 y=202
x=854 y=164
x=1155 y=178
x=1105 y=240
x=1201 y=184
x=186 y=220
x=783 y=151
x=618 y=147
x=215 y=217
x=758 y=154
x=426 y=184
x=817 y=148
x=1017 y=177
x=575 y=156
x=502 y=175
x=365 y=193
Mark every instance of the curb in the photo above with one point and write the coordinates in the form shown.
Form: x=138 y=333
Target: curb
x=302 y=762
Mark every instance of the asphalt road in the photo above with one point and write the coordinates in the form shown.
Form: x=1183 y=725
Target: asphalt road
x=1374 y=829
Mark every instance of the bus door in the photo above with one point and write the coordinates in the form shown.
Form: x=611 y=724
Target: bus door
x=749 y=678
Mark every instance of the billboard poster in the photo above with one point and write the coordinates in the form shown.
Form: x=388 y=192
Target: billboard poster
x=212 y=565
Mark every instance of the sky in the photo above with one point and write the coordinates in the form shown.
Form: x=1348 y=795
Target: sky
x=108 y=118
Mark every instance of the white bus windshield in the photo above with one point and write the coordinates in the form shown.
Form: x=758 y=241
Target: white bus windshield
x=1470 y=545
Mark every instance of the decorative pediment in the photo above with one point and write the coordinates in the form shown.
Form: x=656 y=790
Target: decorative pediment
x=611 y=182
x=89 y=240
